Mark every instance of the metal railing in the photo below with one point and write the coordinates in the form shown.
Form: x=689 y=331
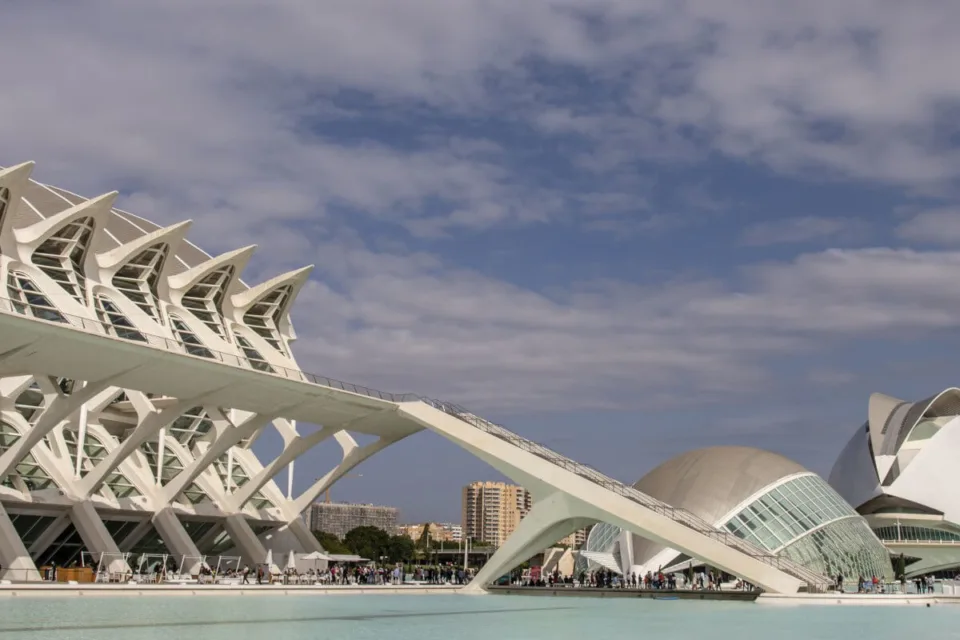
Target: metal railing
x=912 y=541
x=44 y=313
x=812 y=579
x=51 y=315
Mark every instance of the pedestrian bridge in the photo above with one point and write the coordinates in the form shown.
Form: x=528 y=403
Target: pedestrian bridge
x=567 y=495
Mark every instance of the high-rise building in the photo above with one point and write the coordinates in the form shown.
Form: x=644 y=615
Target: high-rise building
x=492 y=510
x=339 y=518
x=576 y=539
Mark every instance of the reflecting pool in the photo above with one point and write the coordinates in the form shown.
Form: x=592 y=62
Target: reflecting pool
x=435 y=617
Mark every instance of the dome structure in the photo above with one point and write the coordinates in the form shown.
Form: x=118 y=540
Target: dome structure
x=138 y=467
x=756 y=495
x=897 y=470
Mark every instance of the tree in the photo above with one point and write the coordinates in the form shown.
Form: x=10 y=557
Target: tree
x=367 y=542
x=400 y=549
x=330 y=542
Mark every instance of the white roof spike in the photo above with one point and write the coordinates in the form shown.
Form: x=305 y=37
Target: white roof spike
x=297 y=278
x=16 y=175
x=97 y=208
x=171 y=236
x=186 y=279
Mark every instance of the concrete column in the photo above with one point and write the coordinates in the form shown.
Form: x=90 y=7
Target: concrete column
x=16 y=561
x=548 y=521
x=304 y=536
x=245 y=539
x=177 y=539
x=96 y=537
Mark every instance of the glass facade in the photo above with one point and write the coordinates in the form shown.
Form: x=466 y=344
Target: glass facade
x=803 y=519
x=918 y=534
x=842 y=542
x=603 y=538
x=788 y=511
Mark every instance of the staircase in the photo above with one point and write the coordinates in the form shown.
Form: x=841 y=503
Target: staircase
x=813 y=580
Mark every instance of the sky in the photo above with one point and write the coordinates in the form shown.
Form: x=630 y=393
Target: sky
x=622 y=228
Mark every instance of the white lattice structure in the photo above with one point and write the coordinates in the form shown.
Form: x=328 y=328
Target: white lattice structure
x=136 y=371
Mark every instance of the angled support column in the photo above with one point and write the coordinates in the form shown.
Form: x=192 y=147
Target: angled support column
x=207 y=540
x=96 y=537
x=293 y=450
x=548 y=521
x=353 y=455
x=304 y=536
x=58 y=411
x=147 y=428
x=14 y=558
x=177 y=539
x=245 y=539
x=51 y=533
x=135 y=536
x=228 y=437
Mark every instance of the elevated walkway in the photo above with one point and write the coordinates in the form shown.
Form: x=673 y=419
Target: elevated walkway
x=568 y=494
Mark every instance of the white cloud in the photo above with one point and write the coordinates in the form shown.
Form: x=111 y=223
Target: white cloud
x=801 y=229
x=245 y=117
x=411 y=322
x=936 y=226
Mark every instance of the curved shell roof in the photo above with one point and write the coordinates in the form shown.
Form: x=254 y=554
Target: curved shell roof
x=710 y=482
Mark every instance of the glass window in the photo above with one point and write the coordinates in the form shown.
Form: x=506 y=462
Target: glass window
x=113 y=320
x=27 y=299
x=791 y=509
x=205 y=299
x=846 y=546
x=265 y=315
x=138 y=279
x=188 y=339
x=190 y=426
x=61 y=256
x=253 y=356
x=30 y=403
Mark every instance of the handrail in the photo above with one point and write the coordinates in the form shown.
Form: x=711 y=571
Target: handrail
x=811 y=578
x=53 y=315
x=99 y=327
x=914 y=541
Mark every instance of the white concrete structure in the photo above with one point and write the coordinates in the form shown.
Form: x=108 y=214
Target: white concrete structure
x=136 y=372
x=899 y=471
x=758 y=495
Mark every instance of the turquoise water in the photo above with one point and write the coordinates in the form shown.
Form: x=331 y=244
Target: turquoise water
x=424 y=617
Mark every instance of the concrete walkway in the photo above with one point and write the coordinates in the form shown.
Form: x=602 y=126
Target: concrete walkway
x=58 y=590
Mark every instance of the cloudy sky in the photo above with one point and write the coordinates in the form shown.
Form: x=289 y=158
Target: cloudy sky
x=624 y=228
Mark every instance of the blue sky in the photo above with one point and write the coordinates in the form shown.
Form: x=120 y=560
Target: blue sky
x=623 y=228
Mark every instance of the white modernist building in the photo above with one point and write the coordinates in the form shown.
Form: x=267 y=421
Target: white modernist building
x=756 y=495
x=899 y=471
x=136 y=372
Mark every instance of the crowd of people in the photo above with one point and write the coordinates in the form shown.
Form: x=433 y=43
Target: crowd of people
x=703 y=580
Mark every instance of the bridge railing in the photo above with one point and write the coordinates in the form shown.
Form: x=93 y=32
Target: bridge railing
x=812 y=579
x=38 y=311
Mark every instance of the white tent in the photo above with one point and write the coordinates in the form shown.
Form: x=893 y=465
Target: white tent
x=291 y=560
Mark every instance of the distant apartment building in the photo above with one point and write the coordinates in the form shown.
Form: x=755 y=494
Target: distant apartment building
x=439 y=531
x=339 y=517
x=492 y=510
x=576 y=539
